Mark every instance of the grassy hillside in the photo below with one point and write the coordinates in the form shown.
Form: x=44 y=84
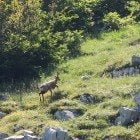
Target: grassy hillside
x=96 y=121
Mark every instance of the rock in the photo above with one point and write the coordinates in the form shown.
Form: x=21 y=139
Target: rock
x=87 y=98
x=2 y=114
x=75 y=139
x=126 y=71
x=137 y=71
x=115 y=73
x=127 y=116
x=15 y=138
x=131 y=71
x=17 y=128
x=114 y=138
x=137 y=99
x=137 y=108
x=27 y=132
x=30 y=137
x=64 y=115
x=120 y=73
x=135 y=60
x=85 y=77
x=3 y=135
x=55 y=133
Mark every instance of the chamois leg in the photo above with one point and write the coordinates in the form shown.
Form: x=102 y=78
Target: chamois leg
x=51 y=93
x=40 y=96
x=43 y=97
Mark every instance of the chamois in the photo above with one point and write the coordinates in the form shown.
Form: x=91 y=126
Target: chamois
x=49 y=86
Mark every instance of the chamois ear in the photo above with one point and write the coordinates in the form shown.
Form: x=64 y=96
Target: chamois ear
x=57 y=75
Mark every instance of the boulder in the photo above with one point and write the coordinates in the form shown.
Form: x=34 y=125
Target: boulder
x=55 y=133
x=131 y=71
x=115 y=73
x=64 y=115
x=27 y=132
x=137 y=99
x=15 y=138
x=127 y=116
x=137 y=71
x=137 y=108
x=120 y=73
x=114 y=138
x=2 y=114
x=75 y=139
x=85 y=77
x=135 y=60
x=17 y=128
x=3 y=135
x=30 y=137
x=87 y=98
x=126 y=71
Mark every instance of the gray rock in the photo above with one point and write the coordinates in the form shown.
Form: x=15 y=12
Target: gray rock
x=127 y=116
x=15 y=138
x=85 y=77
x=120 y=73
x=131 y=71
x=55 y=133
x=135 y=60
x=3 y=135
x=137 y=99
x=30 y=137
x=114 y=138
x=64 y=115
x=75 y=139
x=2 y=114
x=27 y=132
x=126 y=71
x=137 y=71
x=87 y=98
x=115 y=73
x=17 y=128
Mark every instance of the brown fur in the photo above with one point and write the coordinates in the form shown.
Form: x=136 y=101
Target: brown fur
x=49 y=86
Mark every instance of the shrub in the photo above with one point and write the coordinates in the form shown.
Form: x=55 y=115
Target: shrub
x=30 y=41
x=113 y=21
x=134 y=8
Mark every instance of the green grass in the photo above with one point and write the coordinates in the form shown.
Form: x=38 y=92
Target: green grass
x=96 y=121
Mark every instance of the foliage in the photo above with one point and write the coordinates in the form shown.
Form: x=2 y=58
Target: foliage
x=28 y=40
x=94 y=121
x=113 y=21
x=35 y=35
x=134 y=8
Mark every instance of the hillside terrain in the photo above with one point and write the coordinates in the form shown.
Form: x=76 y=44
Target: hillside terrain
x=88 y=73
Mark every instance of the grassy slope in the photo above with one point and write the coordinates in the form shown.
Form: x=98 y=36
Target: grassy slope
x=110 y=50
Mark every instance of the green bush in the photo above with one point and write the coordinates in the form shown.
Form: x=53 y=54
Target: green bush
x=134 y=8
x=113 y=21
x=30 y=41
x=35 y=35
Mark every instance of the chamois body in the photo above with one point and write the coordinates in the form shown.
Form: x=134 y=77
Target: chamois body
x=48 y=86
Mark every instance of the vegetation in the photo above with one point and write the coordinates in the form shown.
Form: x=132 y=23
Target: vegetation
x=75 y=38
x=36 y=35
x=95 y=121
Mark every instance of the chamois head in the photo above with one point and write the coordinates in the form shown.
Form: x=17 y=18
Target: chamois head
x=57 y=76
